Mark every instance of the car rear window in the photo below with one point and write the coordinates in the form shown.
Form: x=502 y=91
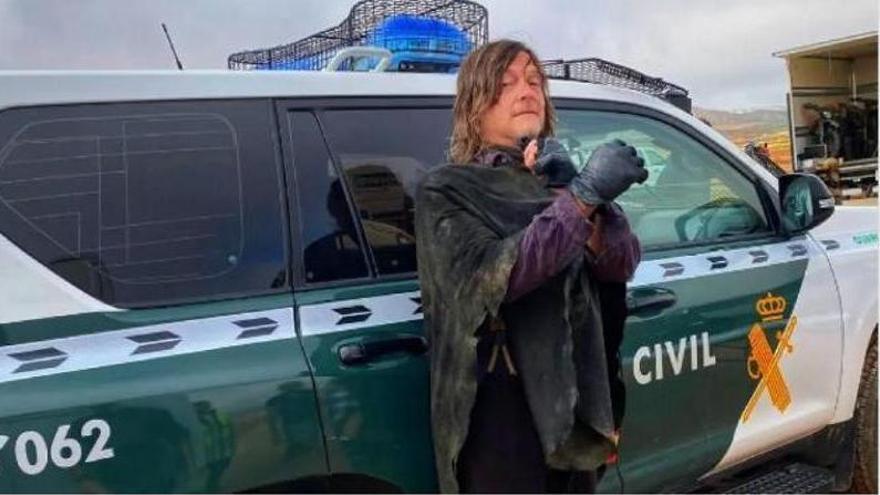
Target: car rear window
x=141 y=204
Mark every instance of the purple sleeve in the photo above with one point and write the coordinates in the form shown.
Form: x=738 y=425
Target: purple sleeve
x=551 y=241
x=622 y=252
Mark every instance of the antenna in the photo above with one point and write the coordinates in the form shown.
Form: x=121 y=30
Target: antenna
x=171 y=44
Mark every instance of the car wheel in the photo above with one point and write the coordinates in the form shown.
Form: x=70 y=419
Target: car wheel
x=865 y=471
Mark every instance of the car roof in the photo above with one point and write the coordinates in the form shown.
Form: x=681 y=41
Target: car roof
x=26 y=88
x=32 y=88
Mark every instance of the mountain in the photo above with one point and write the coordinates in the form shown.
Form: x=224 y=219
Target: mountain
x=760 y=125
x=770 y=120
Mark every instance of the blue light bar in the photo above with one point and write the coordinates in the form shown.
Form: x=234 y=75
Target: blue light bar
x=417 y=43
x=420 y=34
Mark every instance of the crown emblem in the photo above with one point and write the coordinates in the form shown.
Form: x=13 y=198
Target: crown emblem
x=770 y=307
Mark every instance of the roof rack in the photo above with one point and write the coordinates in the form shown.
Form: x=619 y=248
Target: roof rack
x=355 y=53
x=599 y=71
x=418 y=32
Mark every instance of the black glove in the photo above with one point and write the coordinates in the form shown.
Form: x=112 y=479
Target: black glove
x=554 y=163
x=612 y=169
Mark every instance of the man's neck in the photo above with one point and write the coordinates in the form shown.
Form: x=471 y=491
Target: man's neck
x=497 y=155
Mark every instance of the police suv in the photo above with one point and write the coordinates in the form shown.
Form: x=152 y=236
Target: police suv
x=207 y=284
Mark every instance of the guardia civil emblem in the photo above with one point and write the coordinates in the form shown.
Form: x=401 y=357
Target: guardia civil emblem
x=763 y=362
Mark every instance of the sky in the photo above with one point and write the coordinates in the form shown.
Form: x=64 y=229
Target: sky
x=719 y=50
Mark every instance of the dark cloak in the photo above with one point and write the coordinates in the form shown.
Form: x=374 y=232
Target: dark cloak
x=469 y=222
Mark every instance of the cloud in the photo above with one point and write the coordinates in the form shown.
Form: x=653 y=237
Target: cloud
x=720 y=51
x=111 y=34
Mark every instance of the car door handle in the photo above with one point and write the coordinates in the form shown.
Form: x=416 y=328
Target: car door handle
x=364 y=352
x=645 y=300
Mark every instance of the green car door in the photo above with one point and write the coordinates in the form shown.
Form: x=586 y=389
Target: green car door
x=354 y=170
x=147 y=337
x=713 y=264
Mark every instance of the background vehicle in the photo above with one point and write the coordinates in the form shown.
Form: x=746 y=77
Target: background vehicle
x=832 y=106
x=208 y=284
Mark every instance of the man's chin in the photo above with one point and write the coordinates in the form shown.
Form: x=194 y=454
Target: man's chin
x=529 y=125
x=530 y=132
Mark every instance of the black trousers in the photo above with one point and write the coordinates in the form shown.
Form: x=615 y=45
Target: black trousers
x=502 y=452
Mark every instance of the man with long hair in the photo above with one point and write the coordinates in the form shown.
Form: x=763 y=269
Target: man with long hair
x=523 y=263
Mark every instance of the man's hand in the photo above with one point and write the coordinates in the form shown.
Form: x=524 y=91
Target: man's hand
x=549 y=159
x=530 y=155
x=612 y=169
x=555 y=164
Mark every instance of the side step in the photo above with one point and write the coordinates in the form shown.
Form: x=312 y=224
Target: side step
x=793 y=478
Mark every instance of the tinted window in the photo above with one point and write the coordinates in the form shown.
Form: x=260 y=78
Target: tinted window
x=149 y=203
x=691 y=195
x=329 y=233
x=384 y=153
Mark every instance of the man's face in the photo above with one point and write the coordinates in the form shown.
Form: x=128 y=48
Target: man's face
x=519 y=110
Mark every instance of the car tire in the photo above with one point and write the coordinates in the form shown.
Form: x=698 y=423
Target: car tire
x=865 y=469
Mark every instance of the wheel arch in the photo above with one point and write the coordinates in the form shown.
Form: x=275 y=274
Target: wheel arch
x=856 y=340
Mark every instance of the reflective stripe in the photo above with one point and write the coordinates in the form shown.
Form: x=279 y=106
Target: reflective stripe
x=352 y=314
x=720 y=261
x=98 y=350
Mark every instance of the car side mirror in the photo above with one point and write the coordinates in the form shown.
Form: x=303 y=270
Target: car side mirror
x=806 y=202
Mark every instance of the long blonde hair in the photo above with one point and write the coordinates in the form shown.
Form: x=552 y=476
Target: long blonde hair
x=479 y=86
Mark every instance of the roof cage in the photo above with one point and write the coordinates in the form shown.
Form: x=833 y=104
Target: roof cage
x=418 y=33
x=598 y=71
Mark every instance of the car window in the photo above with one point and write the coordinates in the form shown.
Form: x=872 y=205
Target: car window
x=332 y=246
x=146 y=203
x=383 y=154
x=691 y=195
